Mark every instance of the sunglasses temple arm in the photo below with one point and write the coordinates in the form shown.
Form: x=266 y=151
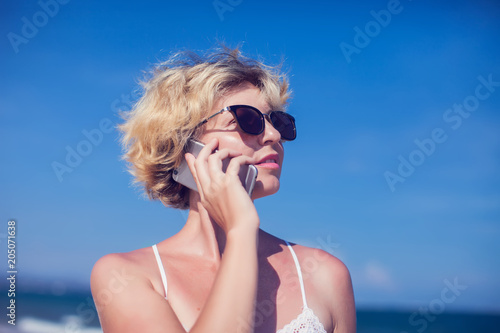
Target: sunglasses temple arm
x=202 y=123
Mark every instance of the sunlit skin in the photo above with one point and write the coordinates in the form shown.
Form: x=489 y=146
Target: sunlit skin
x=220 y=264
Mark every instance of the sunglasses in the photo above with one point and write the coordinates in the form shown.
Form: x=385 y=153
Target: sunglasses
x=252 y=121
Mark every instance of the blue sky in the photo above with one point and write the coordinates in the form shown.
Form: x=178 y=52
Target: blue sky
x=359 y=115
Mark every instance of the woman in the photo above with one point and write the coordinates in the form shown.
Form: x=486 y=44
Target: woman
x=221 y=272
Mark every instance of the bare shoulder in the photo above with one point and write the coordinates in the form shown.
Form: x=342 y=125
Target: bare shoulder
x=122 y=266
x=329 y=280
x=323 y=266
x=117 y=281
x=114 y=274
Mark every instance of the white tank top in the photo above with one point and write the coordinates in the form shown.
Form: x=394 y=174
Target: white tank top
x=306 y=321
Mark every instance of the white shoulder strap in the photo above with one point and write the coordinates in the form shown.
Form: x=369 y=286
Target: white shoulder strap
x=162 y=270
x=299 y=273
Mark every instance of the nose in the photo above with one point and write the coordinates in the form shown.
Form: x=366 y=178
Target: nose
x=270 y=134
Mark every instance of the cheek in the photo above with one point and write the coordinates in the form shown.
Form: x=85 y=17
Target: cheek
x=237 y=143
x=225 y=141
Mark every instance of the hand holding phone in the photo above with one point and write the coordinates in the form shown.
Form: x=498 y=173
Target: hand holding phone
x=182 y=175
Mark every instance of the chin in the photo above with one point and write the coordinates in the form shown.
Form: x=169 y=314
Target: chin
x=264 y=188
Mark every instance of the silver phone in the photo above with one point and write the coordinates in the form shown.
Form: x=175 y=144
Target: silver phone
x=182 y=175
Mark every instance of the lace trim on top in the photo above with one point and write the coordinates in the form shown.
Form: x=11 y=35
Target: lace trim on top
x=306 y=322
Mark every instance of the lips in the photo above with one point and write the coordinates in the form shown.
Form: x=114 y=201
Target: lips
x=269 y=161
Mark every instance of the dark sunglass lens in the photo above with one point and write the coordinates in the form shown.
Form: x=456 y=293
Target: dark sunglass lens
x=249 y=120
x=284 y=123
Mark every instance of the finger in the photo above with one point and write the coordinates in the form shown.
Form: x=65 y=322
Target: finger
x=225 y=153
x=235 y=164
x=190 y=159
x=201 y=163
x=190 y=162
x=208 y=149
x=218 y=162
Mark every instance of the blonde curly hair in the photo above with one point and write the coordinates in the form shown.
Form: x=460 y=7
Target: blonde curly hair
x=176 y=96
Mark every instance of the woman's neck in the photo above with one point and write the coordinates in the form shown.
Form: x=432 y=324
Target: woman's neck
x=202 y=237
x=201 y=233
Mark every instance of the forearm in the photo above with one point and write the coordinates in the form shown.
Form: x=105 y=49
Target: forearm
x=230 y=304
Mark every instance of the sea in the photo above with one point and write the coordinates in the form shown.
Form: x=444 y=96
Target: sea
x=75 y=313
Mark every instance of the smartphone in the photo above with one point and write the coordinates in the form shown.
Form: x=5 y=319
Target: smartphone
x=182 y=175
